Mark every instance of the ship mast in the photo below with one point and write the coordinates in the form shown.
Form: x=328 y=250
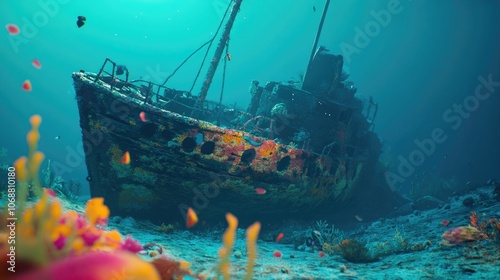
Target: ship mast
x=318 y=34
x=218 y=53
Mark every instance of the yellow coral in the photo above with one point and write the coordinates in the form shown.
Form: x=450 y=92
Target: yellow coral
x=27 y=167
x=111 y=239
x=232 y=139
x=97 y=125
x=96 y=211
x=49 y=234
x=226 y=251
x=252 y=235
x=229 y=238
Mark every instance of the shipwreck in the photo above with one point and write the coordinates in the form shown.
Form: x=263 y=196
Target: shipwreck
x=300 y=148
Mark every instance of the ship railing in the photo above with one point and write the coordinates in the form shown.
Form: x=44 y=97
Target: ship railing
x=147 y=89
x=151 y=92
x=116 y=70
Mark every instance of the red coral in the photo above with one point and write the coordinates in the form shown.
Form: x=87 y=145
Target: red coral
x=490 y=228
x=473 y=219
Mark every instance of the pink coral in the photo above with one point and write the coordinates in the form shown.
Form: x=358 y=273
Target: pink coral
x=90 y=236
x=459 y=235
x=95 y=266
x=131 y=245
x=60 y=242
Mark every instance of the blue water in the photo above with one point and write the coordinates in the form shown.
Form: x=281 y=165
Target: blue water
x=417 y=64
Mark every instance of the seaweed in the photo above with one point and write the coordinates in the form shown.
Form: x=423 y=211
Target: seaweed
x=69 y=189
x=356 y=251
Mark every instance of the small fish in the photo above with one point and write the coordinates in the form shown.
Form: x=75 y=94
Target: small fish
x=321 y=254
x=280 y=236
x=142 y=115
x=445 y=223
x=359 y=218
x=445 y=156
x=191 y=218
x=57 y=137
x=27 y=85
x=314 y=9
x=228 y=55
x=36 y=63
x=12 y=29
x=126 y=158
x=277 y=254
x=260 y=191
x=50 y=192
x=81 y=21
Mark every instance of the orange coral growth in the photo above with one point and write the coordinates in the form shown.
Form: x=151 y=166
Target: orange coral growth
x=96 y=211
x=21 y=170
x=170 y=269
x=232 y=139
x=267 y=149
x=27 y=167
x=225 y=252
x=252 y=235
x=33 y=136
x=229 y=238
x=473 y=219
x=490 y=228
x=35 y=121
x=344 y=242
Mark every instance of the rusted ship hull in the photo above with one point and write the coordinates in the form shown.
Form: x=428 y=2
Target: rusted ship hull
x=179 y=162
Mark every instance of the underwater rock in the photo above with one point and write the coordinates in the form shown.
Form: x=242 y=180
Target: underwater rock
x=128 y=222
x=468 y=202
x=237 y=254
x=405 y=209
x=427 y=203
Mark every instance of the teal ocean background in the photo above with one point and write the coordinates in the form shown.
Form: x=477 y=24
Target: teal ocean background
x=416 y=58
